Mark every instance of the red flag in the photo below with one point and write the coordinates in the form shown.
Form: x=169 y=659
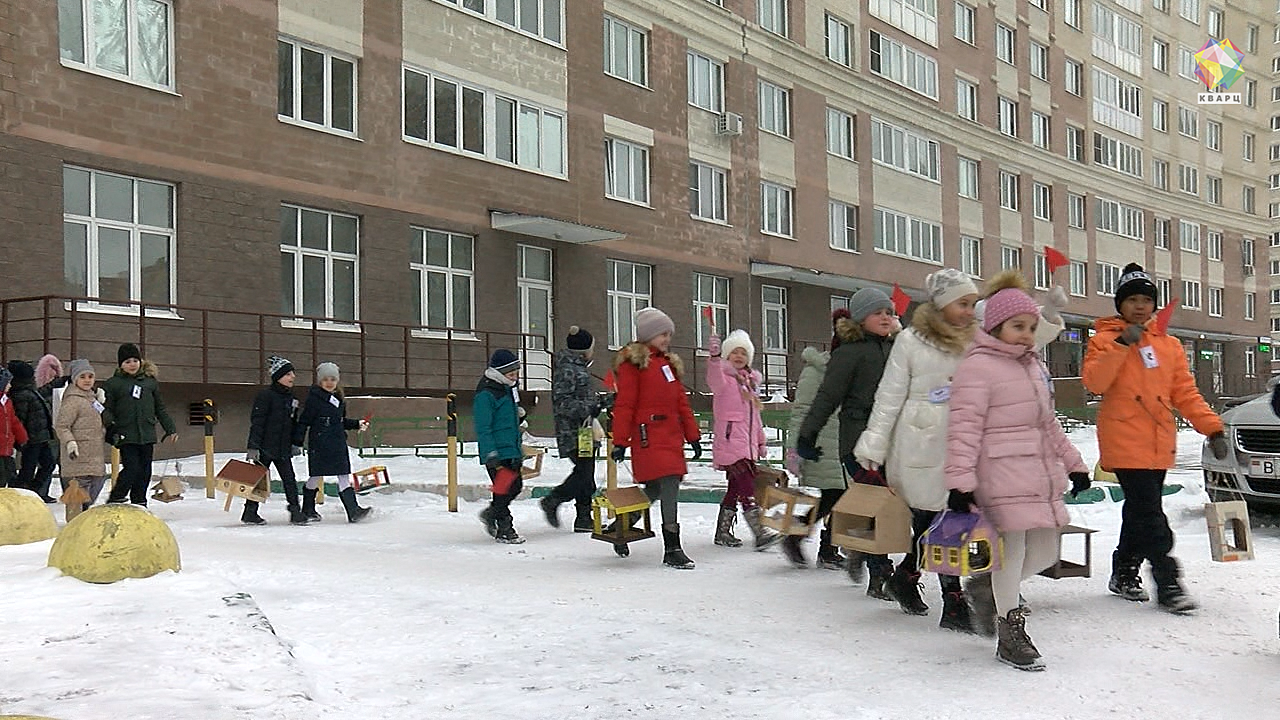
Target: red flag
x=368 y=417
x=901 y=300
x=1166 y=312
x=609 y=383
x=1054 y=259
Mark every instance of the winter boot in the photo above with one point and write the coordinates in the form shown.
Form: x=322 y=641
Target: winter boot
x=1014 y=646
x=622 y=549
x=582 y=522
x=955 y=613
x=765 y=537
x=904 y=586
x=829 y=557
x=250 y=515
x=724 y=528
x=309 y=504
x=507 y=534
x=296 y=516
x=674 y=556
x=1169 y=592
x=490 y=523
x=855 y=564
x=792 y=552
x=550 y=507
x=1125 y=581
x=982 y=604
x=877 y=579
x=355 y=513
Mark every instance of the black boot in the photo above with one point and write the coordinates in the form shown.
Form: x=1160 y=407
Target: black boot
x=1125 y=580
x=955 y=612
x=1169 y=591
x=982 y=604
x=489 y=521
x=582 y=521
x=507 y=534
x=854 y=564
x=904 y=586
x=877 y=580
x=550 y=507
x=792 y=552
x=250 y=515
x=724 y=528
x=1014 y=646
x=296 y=517
x=674 y=556
x=829 y=556
x=309 y=505
x=355 y=513
x=622 y=549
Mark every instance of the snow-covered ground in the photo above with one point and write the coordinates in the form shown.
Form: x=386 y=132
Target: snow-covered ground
x=418 y=614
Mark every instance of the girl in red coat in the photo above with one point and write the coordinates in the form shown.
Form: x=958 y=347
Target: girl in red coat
x=651 y=415
x=11 y=432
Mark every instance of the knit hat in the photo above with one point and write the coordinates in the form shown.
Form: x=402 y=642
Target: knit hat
x=652 y=322
x=1005 y=304
x=1136 y=281
x=947 y=286
x=6 y=377
x=279 y=367
x=48 y=369
x=504 y=361
x=866 y=301
x=579 y=339
x=126 y=351
x=836 y=316
x=21 y=370
x=739 y=339
x=327 y=370
x=78 y=367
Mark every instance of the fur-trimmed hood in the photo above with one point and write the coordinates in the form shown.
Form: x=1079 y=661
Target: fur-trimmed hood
x=850 y=331
x=932 y=328
x=638 y=353
x=1005 y=279
x=147 y=369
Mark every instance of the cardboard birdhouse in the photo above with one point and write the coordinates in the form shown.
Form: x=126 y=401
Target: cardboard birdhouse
x=630 y=506
x=1065 y=568
x=1230 y=537
x=961 y=544
x=529 y=472
x=767 y=477
x=241 y=479
x=370 y=478
x=790 y=511
x=871 y=519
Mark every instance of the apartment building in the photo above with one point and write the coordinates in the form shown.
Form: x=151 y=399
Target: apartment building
x=404 y=185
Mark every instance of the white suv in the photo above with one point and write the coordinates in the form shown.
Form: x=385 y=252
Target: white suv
x=1252 y=471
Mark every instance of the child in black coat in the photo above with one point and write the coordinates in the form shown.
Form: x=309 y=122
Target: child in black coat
x=271 y=441
x=324 y=424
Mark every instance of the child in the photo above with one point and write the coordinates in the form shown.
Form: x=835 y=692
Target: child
x=1007 y=455
x=652 y=417
x=11 y=433
x=79 y=429
x=1141 y=373
x=270 y=443
x=575 y=406
x=36 y=416
x=850 y=385
x=324 y=424
x=908 y=427
x=496 y=415
x=739 y=434
x=133 y=407
x=50 y=384
x=825 y=474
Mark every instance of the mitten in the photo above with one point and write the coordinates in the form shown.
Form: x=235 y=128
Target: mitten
x=1054 y=302
x=1131 y=335
x=1218 y=446
x=1079 y=482
x=73 y=450
x=961 y=502
x=100 y=395
x=252 y=455
x=619 y=453
x=713 y=345
x=697 y=449
x=807 y=450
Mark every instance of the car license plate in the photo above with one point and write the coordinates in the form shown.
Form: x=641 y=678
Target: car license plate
x=1264 y=466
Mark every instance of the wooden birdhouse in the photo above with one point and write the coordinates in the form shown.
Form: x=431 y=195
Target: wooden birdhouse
x=1065 y=568
x=168 y=488
x=1229 y=520
x=768 y=477
x=961 y=544
x=788 y=510
x=871 y=519
x=241 y=479
x=370 y=478
x=621 y=503
x=529 y=472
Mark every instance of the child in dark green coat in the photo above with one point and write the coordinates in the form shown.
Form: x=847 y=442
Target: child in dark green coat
x=496 y=414
x=133 y=407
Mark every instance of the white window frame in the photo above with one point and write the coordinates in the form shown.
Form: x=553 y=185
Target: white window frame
x=1213 y=245
x=1006 y=44
x=838 y=39
x=1041 y=202
x=1162 y=231
x=708 y=190
x=1191 y=294
x=842 y=226
x=1007 y=112
x=1213 y=135
x=1189 y=236
x=841 y=134
x=462 y=272
x=917 y=18
x=1160 y=55
x=773 y=315
x=1075 y=211
x=1248 y=198
x=1078 y=273
x=1071 y=14
x=1250 y=305
x=775 y=109
x=1215 y=20
x=706 y=82
x=82 y=53
x=627 y=160
x=1248 y=141
x=1039 y=60
x=1117 y=103
x=547 y=16
x=621 y=304
x=1108 y=277
x=777 y=210
x=904 y=150
x=772 y=15
x=710 y=292
x=1009 y=195
x=903 y=65
x=1010 y=257
x=1040 y=132
x=971 y=255
x=1160 y=115
x=1189 y=179
x=1075 y=144
x=294 y=116
x=1117 y=40
x=1118 y=218
x=1117 y=155
x=1188 y=122
x=967 y=171
x=1043 y=280
x=1213 y=190
x=966 y=99
x=965 y=22
x=1073 y=77
x=1160 y=174
x=631 y=62
x=907 y=236
x=330 y=256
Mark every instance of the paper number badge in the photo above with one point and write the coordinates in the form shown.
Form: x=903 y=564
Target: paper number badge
x=666 y=372
x=137 y=392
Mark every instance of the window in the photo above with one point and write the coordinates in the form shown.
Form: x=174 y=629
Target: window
x=1247 y=200
x=1071 y=13
x=1215 y=302
x=319 y=264
x=118 y=237
x=1246 y=251
x=1275 y=327
x=918 y=18
x=1250 y=360
x=1273 y=209
x=1191 y=294
x=971 y=255
x=1250 y=92
x=1160 y=55
x=965 y=23
x=843 y=226
x=1273 y=181
x=1079 y=278
x=1213 y=245
x=629 y=290
x=1160 y=115
x=1159 y=174
x=775 y=209
x=904 y=150
x=1250 y=305
x=707 y=192
x=838 y=41
x=1043 y=279
x=1118 y=218
x=1274 y=240
x=967 y=100
x=626 y=175
x=1189 y=236
x=840 y=133
x=1073 y=79
x=1189 y=179
x=1275 y=296
x=1008 y=111
x=1186 y=62
x=1040 y=130
x=908 y=236
x=1006 y=43
x=1213 y=135
x=539 y=18
x=772 y=15
x=710 y=294
x=1251 y=39
x=1164 y=288
x=1041 y=202
x=1010 y=257
x=126 y=39
x=1009 y=190
x=1117 y=155
x=1274 y=267
x=316 y=87
x=1075 y=211
x=1108 y=277
x=968 y=177
x=1161 y=5
x=1039 y=61
x=1190 y=10
x=775 y=109
x=1117 y=39
x=1075 y=144
x=1117 y=103
x=443 y=265
x=773 y=305
x=1188 y=122
x=625 y=51
x=1247 y=142
x=1213 y=190
x=1162 y=232
x=904 y=66
x=706 y=83
x=1216 y=19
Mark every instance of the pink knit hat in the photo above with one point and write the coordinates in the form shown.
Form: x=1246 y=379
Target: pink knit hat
x=1004 y=305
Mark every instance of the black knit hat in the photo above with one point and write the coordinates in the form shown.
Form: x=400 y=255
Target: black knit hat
x=504 y=361
x=1136 y=281
x=579 y=339
x=278 y=367
x=21 y=370
x=126 y=351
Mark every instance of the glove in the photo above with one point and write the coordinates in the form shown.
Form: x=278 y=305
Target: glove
x=1218 y=445
x=252 y=455
x=170 y=437
x=1131 y=335
x=713 y=346
x=295 y=451
x=492 y=461
x=364 y=425
x=73 y=450
x=1054 y=302
x=619 y=453
x=961 y=502
x=806 y=449
x=697 y=449
x=869 y=465
x=100 y=395
x=1079 y=482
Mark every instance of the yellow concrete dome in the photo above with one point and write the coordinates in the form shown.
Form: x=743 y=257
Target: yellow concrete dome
x=24 y=518
x=113 y=542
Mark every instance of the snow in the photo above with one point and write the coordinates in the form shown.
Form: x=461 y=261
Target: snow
x=418 y=614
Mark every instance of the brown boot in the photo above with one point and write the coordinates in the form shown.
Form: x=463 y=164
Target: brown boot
x=1014 y=646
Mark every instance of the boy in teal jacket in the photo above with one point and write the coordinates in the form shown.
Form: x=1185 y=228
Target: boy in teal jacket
x=496 y=414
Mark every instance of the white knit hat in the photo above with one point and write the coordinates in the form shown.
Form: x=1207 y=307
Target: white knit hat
x=947 y=286
x=738 y=339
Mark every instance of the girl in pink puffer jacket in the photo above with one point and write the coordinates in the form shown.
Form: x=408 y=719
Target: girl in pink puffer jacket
x=1007 y=455
x=739 y=434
